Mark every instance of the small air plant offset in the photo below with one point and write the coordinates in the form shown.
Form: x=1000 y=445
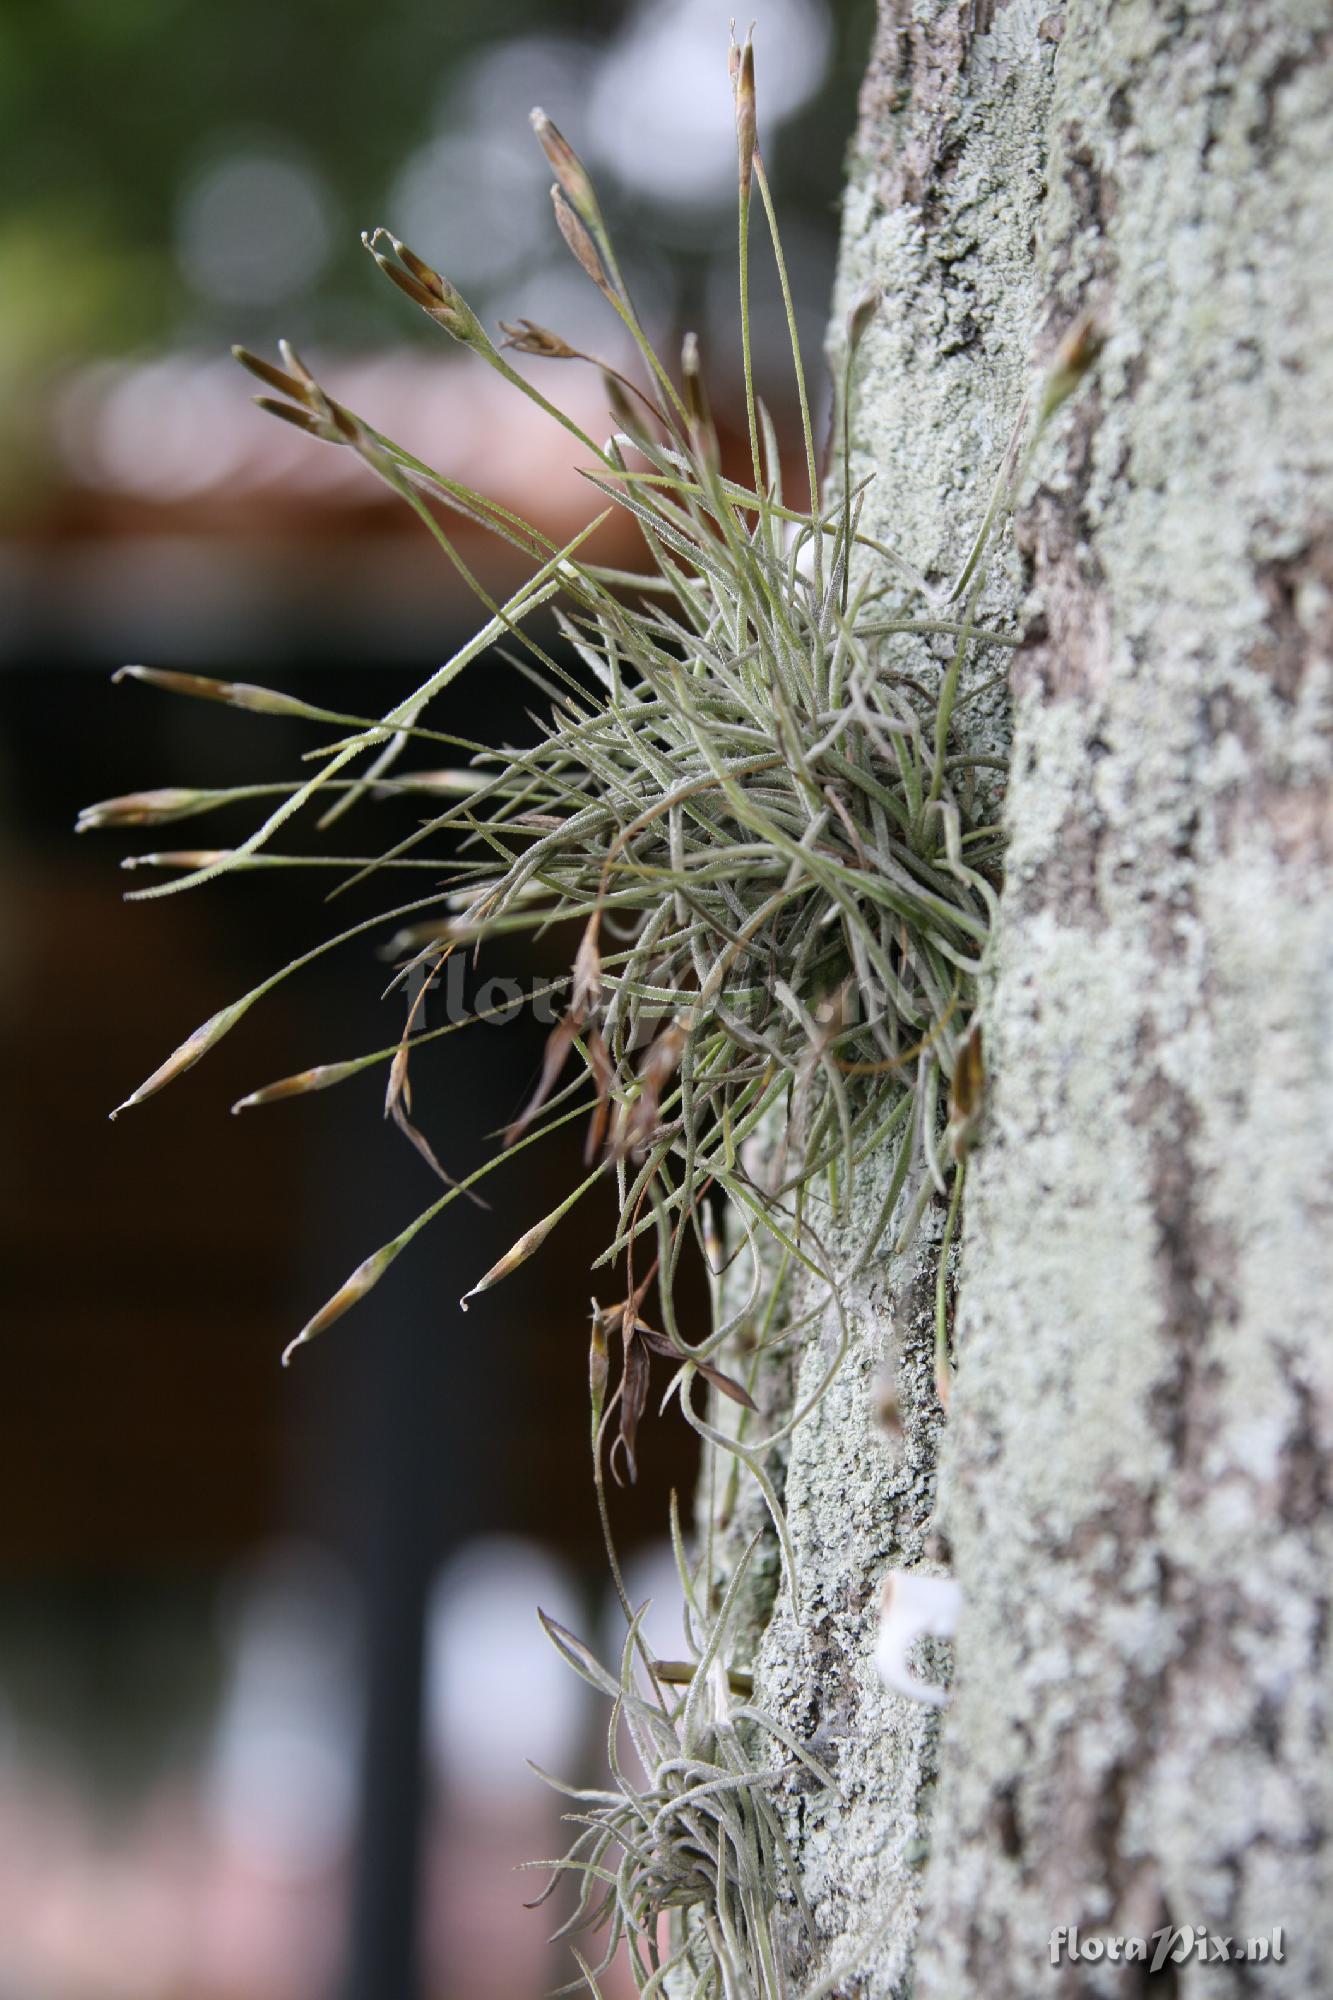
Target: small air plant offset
x=783 y=877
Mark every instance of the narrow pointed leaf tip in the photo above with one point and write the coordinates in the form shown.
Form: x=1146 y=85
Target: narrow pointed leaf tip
x=362 y=1280
x=187 y=1055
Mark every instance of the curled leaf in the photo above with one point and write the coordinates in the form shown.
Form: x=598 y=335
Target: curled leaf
x=861 y=315
x=599 y=1062
x=586 y=993
x=659 y=1065
x=558 y=1045
x=526 y=337
x=727 y=1384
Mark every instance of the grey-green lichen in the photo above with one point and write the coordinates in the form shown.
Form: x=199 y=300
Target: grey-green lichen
x=1137 y=1467
x=1144 y=1419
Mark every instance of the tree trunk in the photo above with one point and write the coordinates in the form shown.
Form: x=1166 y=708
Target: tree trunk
x=1132 y=1477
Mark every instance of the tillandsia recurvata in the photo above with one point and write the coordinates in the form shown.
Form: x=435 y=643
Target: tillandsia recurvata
x=782 y=888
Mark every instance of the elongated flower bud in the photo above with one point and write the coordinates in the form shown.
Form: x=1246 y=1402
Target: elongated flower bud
x=187 y=1055
x=425 y=287
x=579 y=241
x=746 y=122
x=411 y=286
x=153 y=808
x=424 y=273
x=319 y=1078
x=599 y=1366
x=200 y=685
x=188 y=858
x=567 y=167
x=236 y=694
x=276 y=378
x=363 y=1279
x=303 y=420
x=309 y=410
x=518 y=1253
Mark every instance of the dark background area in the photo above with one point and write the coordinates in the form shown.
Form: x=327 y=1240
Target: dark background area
x=181 y=1521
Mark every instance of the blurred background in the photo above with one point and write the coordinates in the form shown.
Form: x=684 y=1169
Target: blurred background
x=269 y=1665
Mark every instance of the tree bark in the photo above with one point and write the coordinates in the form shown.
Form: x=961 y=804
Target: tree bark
x=1132 y=1488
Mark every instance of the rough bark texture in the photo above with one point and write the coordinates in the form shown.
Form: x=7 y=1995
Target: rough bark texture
x=1133 y=1493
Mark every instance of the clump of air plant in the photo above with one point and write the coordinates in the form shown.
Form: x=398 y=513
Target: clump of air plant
x=691 y=1826
x=783 y=889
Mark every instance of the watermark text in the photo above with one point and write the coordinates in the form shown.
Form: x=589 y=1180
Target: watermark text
x=1173 y=1944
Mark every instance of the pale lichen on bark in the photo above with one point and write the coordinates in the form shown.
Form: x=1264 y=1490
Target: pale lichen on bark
x=1136 y=1468
x=1144 y=1416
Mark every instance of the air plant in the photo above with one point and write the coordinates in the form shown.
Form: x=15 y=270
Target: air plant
x=748 y=800
x=689 y=1827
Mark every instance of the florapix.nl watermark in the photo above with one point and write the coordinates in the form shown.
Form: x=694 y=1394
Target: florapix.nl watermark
x=446 y=990
x=1171 y=1945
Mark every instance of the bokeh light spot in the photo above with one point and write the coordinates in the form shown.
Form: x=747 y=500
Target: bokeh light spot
x=254 y=229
